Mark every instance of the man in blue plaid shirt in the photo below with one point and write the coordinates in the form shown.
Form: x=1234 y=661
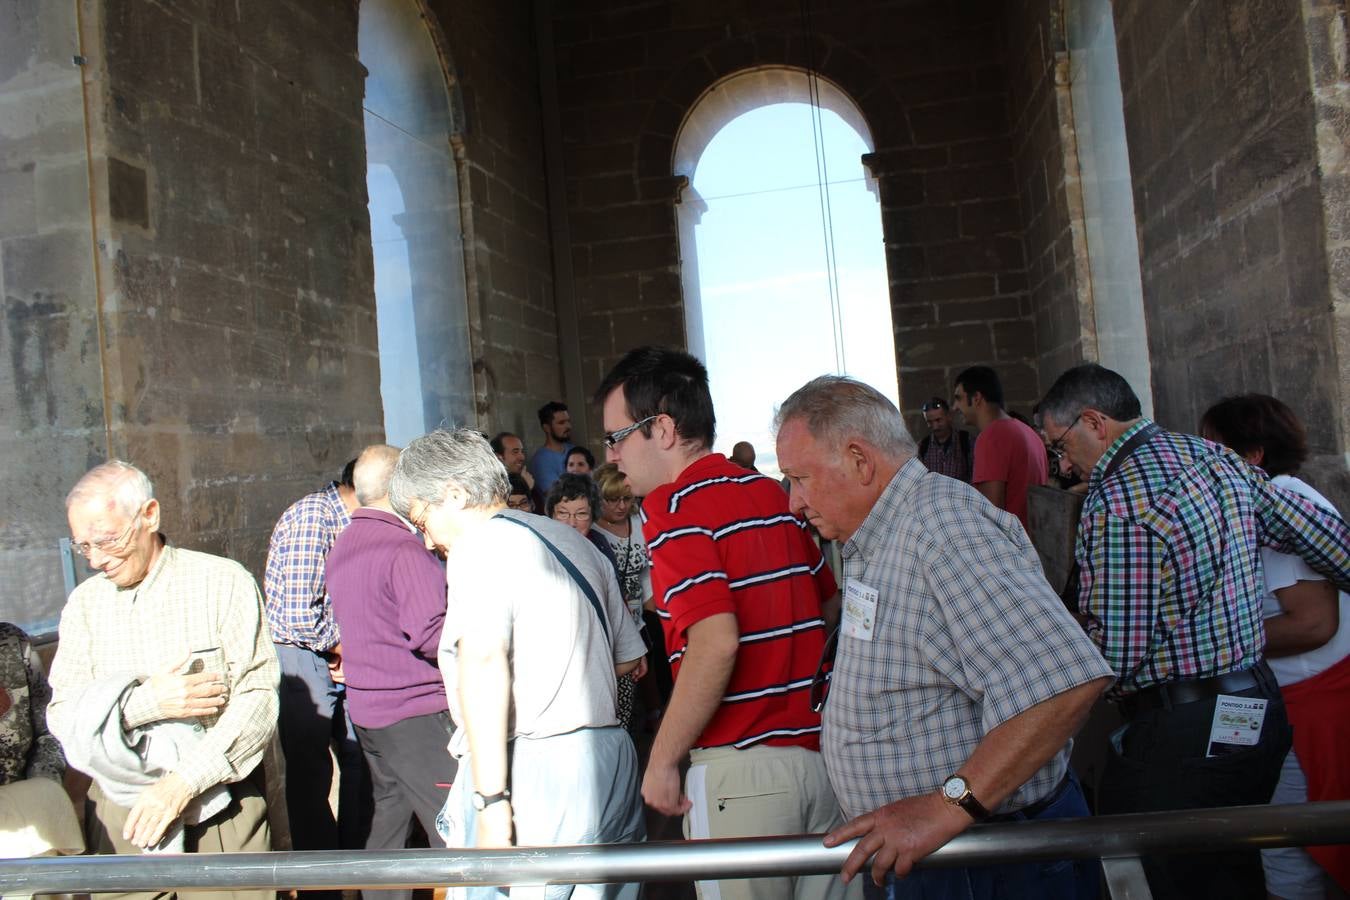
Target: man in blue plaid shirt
x=313 y=713
x=1170 y=589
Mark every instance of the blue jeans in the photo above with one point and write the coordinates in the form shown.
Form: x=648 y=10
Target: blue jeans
x=1059 y=879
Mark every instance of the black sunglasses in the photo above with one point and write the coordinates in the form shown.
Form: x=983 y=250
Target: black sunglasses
x=933 y=404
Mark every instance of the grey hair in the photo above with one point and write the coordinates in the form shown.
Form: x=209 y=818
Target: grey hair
x=1090 y=386
x=125 y=484
x=374 y=468
x=836 y=408
x=432 y=463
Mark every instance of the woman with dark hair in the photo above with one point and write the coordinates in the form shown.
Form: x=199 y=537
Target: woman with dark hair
x=1307 y=645
x=579 y=461
x=574 y=500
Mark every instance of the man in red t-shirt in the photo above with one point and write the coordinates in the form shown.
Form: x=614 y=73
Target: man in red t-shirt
x=740 y=588
x=1009 y=455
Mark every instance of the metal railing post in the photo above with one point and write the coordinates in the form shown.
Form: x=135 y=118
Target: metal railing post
x=1125 y=878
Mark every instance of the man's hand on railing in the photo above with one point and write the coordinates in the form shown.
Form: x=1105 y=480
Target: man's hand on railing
x=899 y=834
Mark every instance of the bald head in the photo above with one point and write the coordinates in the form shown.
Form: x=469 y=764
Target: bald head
x=374 y=468
x=743 y=454
x=118 y=483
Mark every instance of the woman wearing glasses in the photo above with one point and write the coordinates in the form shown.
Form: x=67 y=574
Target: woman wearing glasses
x=575 y=500
x=621 y=524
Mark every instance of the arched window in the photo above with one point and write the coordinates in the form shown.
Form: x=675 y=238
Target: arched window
x=781 y=248
x=426 y=376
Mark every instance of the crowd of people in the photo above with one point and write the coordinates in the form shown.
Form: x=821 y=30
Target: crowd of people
x=477 y=635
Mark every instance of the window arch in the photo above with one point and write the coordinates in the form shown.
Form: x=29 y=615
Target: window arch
x=426 y=374
x=781 y=250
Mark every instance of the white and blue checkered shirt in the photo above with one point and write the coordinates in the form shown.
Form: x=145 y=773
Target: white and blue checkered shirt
x=967 y=635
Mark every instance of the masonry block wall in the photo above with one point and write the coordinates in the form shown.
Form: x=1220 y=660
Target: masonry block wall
x=51 y=386
x=932 y=82
x=239 y=317
x=490 y=48
x=1221 y=126
x=1047 y=184
x=215 y=285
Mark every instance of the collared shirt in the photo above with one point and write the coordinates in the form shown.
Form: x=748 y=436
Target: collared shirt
x=388 y=595
x=967 y=635
x=189 y=602
x=951 y=457
x=723 y=541
x=298 y=609
x=1170 y=577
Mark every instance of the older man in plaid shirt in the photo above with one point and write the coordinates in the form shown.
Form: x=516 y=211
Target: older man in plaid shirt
x=1171 y=590
x=960 y=677
x=164 y=685
x=313 y=711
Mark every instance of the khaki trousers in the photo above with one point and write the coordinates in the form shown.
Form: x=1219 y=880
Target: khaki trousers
x=239 y=828
x=763 y=791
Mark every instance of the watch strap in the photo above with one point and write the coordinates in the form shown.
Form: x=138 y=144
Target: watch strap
x=486 y=800
x=972 y=806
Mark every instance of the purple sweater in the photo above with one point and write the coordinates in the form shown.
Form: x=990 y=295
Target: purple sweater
x=388 y=594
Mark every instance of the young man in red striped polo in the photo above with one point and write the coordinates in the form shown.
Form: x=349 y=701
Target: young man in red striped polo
x=740 y=588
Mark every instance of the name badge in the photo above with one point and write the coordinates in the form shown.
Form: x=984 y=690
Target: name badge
x=860 y=610
x=1237 y=723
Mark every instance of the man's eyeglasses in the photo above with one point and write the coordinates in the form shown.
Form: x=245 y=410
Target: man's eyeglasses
x=419 y=520
x=520 y=502
x=935 y=403
x=108 y=545
x=614 y=438
x=1056 y=447
x=820 y=682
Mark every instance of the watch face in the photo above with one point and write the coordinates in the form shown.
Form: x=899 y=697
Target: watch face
x=478 y=803
x=953 y=788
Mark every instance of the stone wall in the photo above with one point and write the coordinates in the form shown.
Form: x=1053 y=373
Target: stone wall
x=200 y=256
x=1048 y=186
x=239 y=317
x=505 y=211
x=931 y=81
x=1221 y=126
x=51 y=383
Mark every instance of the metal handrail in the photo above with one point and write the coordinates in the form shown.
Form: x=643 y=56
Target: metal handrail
x=1109 y=837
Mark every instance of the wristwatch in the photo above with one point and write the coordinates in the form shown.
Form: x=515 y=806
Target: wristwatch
x=483 y=801
x=956 y=791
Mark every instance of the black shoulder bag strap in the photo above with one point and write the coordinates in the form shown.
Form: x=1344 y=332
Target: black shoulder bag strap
x=1141 y=437
x=571 y=568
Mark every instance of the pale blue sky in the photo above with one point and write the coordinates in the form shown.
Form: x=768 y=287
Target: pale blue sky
x=767 y=323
